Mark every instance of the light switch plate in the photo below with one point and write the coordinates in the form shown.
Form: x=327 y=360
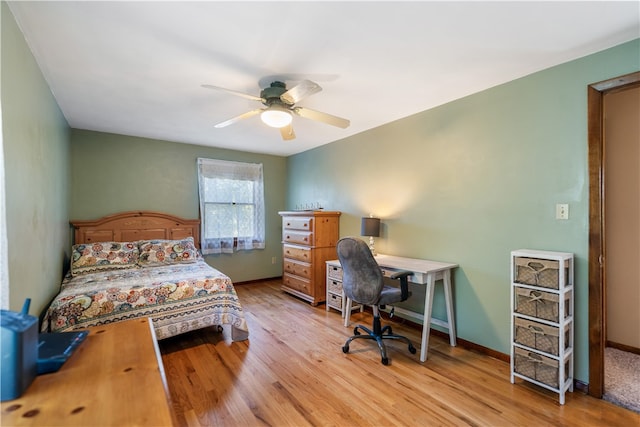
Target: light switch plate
x=562 y=211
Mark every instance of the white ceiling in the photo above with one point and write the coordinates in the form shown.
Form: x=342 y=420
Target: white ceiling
x=136 y=68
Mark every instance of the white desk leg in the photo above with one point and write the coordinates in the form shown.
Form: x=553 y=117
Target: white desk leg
x=426 y=322
x=347 y=312
x=449 y=302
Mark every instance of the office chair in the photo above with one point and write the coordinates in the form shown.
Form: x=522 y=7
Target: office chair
x=363 y=283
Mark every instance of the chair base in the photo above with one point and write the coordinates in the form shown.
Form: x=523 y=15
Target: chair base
x=378 y=334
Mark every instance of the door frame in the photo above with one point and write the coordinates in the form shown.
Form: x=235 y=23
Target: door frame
x=597 y=250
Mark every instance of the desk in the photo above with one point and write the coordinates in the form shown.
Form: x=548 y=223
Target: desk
x=114 y=378
x=425 y=273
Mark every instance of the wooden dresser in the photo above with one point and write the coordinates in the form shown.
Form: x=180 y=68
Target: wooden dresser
x=309 y=239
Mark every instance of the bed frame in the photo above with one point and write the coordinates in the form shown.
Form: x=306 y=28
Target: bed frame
x=136 y=225
x=173 y=317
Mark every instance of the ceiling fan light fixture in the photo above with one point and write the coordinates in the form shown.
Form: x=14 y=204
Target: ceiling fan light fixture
x=276 y=117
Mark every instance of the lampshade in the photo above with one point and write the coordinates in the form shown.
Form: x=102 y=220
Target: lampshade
x=276 y=117
x=370 y=227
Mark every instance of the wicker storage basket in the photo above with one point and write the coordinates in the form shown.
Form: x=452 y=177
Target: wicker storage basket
x=540 y=304
x=539 y=336
x=334 y=286
x=335 y=301
x=538 y=367
x=540 y=272
x=334 y=272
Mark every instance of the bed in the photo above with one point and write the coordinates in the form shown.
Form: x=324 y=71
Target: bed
x=143 y=264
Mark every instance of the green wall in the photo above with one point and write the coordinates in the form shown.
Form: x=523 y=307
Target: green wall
x=470 y=181
x=113 y=173
x=36 y=162
x=465 y=182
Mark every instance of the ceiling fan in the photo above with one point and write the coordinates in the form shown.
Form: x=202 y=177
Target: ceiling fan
x=280 y=104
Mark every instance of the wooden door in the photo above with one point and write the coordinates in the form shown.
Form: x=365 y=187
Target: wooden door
x=597 y=259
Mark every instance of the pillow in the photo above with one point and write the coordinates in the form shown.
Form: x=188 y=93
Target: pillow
x=92 y=257
x=165 y=252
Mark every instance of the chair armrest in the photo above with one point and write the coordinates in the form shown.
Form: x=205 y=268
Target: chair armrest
x=404 y=282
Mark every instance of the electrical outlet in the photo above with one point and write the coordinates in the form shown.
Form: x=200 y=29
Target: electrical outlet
x=273 y=260
x=562 y=211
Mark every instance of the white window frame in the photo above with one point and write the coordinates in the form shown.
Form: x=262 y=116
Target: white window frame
x=224 y=170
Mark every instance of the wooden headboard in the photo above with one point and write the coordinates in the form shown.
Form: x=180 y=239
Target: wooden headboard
x=136 y=225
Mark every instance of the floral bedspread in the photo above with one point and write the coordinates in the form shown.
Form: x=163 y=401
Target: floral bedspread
x=178 y=298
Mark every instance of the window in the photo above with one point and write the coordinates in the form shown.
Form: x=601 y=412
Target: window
x=231 y=206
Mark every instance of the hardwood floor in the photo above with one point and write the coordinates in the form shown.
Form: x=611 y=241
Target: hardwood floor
x=292 y=372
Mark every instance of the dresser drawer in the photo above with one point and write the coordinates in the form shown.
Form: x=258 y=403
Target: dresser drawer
x=297 y=283
x=299 y=237
x=297 y=223
x=296 y=252
x=302 y=269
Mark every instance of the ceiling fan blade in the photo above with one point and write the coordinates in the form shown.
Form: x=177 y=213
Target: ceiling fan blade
x=287 y=132
x=238 y=118
x=300 y=91
x=244 y=95
x=322 y=117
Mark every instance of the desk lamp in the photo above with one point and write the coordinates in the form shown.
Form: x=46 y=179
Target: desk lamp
x=370 y=227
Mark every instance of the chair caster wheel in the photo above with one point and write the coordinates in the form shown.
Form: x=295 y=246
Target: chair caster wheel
x=385 y=361
x=412 y=349
x=345 y=349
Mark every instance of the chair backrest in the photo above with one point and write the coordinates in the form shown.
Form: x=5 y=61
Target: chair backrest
x=362 y=279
